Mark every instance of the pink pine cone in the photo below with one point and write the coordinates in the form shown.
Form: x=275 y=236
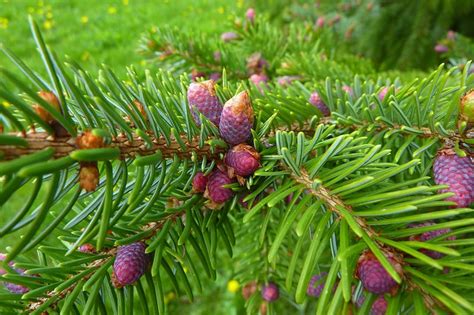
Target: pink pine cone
x=426 y=236
x=130 y=264
x=260 y=81
x=441 y=48
x=457 y=172
x=270 y=292
x=348 y=90
x=13 y=287
x=214 y=191
x=237 y=119
x=202 y=99
x=316 y=285
x=229 y=36
x=250 y=15
x=383 y=92
x=379 y=307
x=243 y=159
x=317 y=102
x=199 y=182
x=373 y=275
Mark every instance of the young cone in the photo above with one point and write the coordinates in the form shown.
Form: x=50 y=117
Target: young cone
x=52 y=100
x=202 y=99
x=13 y=287
x=242 y=160
x=199 y=182
x=373 y=275
x=214 y=191
x=317 y=102
x=270 y=292
x=237 y=119
x=130 y=264
x=426 y=236
x=457 y=172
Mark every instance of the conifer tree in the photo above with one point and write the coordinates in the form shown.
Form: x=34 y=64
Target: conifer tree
x=333 y=188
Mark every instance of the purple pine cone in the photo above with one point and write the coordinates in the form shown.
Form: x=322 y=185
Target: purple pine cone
x=13 y=287
x=426 y=236
x=130 y=264
x=286 y=80
x=199 y=182
x=382 y=93
x=373 y=275
x=260 y=81
x=379 y=307
x=320 y=22
x=250 y=15
x=229 y=36
x=215 y=76
x=441 y=49
x=202 y=99
x=214 y=191
x=243 y=160
x=317 y=102
x=237 y=119
x=458 y=173
x=348 y=90
x=270 y=292
x=316 y=285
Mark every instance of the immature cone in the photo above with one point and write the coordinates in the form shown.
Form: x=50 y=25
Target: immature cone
x=379 y=307
x=249 y=289
x=260 y=81
x=139 y=106
x=237 y=119
x=451 y=35
x=263 y=308
x=214 y=190
x=457 y=172
x=348 y=90
x=373 y=275
x=130 y=264
x=242 y=160
x=317 y=102
x=199 y=182
x=250 y=15
x=229 y=36
x=320 y=22
x=270 y=292
x=89 y=176
x=316 y=285
x=215 y=76
x=202 y=99
x=87 y=248
x=426 y=236
x=52 y=100
x=286 y=80
x=256 y=64
x=383 y=92
x=12 y=287
x=195 y=74
x=466 y=108
x=441 y=48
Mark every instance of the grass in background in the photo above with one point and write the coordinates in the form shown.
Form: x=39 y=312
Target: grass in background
x=92 y=32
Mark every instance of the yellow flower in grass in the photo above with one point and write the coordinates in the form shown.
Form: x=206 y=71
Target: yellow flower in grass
x=48 y=24
x=84 y=19
x=112 y=10
x=233 y=286
x=3 y=23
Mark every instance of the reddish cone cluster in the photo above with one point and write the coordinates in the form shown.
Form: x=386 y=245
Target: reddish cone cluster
x=199 y=182
x=87 y=248
x=12 y=287
x=202 y=99
x=379 y=307
x=242 y=160
x=237 y=119
x=457 y=172
x=249 y=289
x=426 y=236
x=130 y=264
x=373 y=275
x=214 y=190
x=270 y=292
x=317 y=102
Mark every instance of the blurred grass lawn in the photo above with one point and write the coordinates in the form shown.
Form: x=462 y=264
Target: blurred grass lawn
x=94 y=32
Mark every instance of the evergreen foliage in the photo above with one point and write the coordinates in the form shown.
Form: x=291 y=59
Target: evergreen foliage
x=114 y=164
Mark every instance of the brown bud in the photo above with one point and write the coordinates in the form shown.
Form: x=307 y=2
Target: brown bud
x=89 y=141
x=51 y=99
x=249 y=289
x=263 y=308
x=88 y=176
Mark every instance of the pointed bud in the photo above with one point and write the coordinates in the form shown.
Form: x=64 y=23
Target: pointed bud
x=202 y=99
x=130 y=264
x=89 y=176
x=237 y=119
x=250 y=15
x=51 y=99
